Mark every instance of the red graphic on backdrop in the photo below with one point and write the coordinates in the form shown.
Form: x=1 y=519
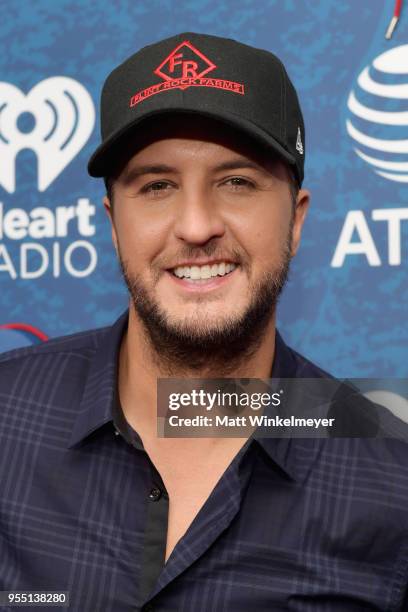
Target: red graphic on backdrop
x=185 y=67
x=26 y=327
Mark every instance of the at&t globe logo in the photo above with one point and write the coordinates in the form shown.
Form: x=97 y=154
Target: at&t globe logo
x=378 y=123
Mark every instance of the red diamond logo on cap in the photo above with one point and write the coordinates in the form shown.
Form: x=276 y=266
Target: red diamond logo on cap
x=184 y=62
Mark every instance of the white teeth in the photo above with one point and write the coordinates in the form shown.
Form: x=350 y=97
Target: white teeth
x=195 y=273
x=204 y=272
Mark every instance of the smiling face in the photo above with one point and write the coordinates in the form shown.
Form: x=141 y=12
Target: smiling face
x=204 y=229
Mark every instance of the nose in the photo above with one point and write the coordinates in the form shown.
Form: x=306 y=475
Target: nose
x=198 y=218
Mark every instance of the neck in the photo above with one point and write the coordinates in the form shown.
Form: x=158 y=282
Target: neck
x=140 y=366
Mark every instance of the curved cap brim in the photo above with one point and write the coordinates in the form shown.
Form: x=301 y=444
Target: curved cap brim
x=102 y=162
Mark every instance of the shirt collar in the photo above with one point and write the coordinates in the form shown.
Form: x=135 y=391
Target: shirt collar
x=100 y=387
x=100 y=393
x=288 y=453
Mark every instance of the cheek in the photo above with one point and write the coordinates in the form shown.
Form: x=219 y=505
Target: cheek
x=264 y=235
x=139 y=241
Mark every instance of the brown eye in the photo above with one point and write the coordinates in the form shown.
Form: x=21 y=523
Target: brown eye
x=156 y=187
x=238 y=183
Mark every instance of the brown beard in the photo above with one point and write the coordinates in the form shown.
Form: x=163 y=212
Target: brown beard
x=219 y=350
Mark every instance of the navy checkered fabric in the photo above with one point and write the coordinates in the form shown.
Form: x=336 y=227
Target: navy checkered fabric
x=293 y=524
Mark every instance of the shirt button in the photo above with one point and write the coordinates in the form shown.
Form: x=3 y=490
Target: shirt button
x=155 y=494
x=148 y=608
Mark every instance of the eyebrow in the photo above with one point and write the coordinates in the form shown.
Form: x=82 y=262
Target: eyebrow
x=233 y=164
x=136 y=171
x=239 y=162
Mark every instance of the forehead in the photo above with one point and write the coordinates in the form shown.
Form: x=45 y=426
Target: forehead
x=177 y=133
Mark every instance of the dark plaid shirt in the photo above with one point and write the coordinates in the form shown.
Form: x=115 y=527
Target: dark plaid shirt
x=293 y=524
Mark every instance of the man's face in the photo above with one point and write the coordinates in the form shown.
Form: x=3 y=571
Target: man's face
x=204 y=230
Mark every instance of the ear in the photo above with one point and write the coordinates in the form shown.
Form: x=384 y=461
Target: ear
x=109 y=211
x=302 y=206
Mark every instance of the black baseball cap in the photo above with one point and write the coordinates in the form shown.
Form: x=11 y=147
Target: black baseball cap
x=241 y=86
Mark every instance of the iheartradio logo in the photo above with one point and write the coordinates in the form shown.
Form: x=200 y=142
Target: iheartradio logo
x=62 y=115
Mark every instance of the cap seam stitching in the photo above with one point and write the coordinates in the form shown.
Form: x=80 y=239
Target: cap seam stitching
x=283 y=114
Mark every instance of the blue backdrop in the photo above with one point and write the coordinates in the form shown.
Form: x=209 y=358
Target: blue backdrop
x=345 y=305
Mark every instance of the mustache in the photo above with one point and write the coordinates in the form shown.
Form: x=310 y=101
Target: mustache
x=210 y=250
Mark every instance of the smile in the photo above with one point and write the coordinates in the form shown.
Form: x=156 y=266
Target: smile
x=203 y=278
x=204 y=272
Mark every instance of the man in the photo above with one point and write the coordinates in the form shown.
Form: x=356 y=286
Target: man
x=203 y=156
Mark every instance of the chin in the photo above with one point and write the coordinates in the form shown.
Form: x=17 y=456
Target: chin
x=198 y=327
x=202 y=318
